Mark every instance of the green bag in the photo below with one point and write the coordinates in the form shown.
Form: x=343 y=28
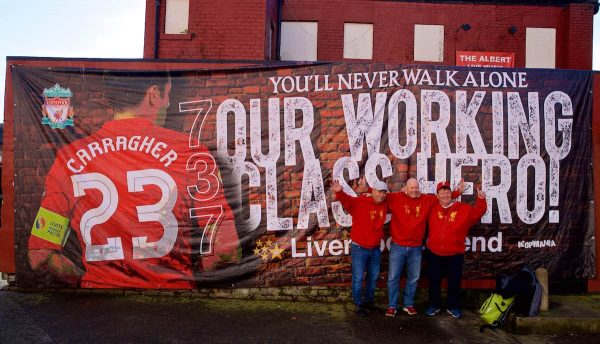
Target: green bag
x=495 y=309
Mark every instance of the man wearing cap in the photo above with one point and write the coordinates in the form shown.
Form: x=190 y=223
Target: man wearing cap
x=449 y=222
x=410 y=210
x=368 y=217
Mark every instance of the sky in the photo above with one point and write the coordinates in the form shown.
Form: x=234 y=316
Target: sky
x=90 y=28
x=70 y=28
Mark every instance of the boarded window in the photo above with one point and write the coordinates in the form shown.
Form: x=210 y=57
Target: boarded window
x=429 y=43
x=540 y=50
x=358 y=41
x=177 y=16
x=299 y=41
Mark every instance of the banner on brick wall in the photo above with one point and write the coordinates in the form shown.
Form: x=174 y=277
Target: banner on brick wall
x=190 y=178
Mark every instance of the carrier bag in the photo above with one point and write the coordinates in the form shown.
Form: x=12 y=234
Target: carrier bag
x=494 y=311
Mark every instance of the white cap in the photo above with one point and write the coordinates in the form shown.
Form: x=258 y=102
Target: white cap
x=381 y=186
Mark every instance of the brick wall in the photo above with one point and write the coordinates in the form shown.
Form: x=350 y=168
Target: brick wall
x=228 y=29
x=393 y=24
x=580 y=29
x=235 y=29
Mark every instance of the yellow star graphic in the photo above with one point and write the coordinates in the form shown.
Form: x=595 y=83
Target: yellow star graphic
x=258 y=243
x=257 y=251
x=276 y=252
x=268 y=242
x=264 y=256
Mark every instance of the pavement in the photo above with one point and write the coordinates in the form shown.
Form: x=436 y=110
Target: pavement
x=566 y=314
x=77 y=317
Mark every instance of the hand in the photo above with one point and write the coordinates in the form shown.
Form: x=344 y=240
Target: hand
x=57 y=264
x=335 y=185
x=461 y=186
x=362 y=182
x=362 y=185
x=480 y=193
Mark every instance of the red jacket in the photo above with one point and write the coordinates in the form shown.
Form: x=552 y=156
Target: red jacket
x=368 y=219
x=448 y=227
x=409 y=217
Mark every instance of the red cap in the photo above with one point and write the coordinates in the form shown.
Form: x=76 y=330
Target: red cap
x=442 y=185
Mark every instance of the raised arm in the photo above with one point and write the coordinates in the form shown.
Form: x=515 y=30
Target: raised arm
x=346 y=200
x=459 y=189
x=479 y=208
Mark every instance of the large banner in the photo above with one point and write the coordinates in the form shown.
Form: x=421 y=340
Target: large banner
x=192 y=178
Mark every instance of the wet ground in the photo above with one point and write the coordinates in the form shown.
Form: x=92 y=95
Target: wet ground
x=76 y=318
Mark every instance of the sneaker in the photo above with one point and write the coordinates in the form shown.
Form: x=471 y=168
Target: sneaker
x=370 y=307
x=432 y=310
x=455 y=313
x=360 y=311
x=410 y=310
x=391 y=312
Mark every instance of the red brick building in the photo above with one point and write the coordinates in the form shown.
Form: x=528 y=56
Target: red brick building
x=554 y=34
x=543 y=34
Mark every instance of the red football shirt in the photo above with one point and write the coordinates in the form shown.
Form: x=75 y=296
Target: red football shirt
x=132 y=192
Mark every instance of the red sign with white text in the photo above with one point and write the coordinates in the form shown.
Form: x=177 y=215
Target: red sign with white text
x=485 y=59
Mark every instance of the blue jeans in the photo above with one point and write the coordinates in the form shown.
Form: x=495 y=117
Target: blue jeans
x=398 y=256
x=365 y=266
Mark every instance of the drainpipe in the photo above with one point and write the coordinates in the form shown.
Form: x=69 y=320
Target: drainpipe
x=156 y=28
x=279 y=10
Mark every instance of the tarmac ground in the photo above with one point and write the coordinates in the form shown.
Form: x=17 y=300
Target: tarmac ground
x=85 y=318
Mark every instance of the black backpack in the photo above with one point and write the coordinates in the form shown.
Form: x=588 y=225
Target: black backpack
x=526 y=289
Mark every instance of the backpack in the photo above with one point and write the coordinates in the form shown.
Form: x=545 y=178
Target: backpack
x=526 y=290
x=494 y=311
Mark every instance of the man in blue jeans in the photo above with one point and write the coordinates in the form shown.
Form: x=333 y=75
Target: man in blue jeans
x=368 y=217
x=410 y=210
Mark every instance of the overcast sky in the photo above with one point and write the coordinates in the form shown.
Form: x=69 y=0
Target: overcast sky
x=89 y=28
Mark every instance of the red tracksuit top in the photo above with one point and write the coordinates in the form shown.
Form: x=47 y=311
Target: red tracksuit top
x=448 y=227
x=409 y=217
x=368 y=218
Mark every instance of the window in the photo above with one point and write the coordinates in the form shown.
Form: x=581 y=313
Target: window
x=429 y=43
x=358 y=41
x=540 y=49
x=177 y=16
x=299 y=41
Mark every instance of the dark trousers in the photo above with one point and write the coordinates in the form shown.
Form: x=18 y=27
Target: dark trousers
x=449 y=267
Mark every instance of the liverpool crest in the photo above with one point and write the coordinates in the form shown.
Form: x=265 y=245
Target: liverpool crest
x=57 y=109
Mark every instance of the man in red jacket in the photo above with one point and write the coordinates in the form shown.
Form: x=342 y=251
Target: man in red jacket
x=449 y=222
x=410 y=210
x=368 y=217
